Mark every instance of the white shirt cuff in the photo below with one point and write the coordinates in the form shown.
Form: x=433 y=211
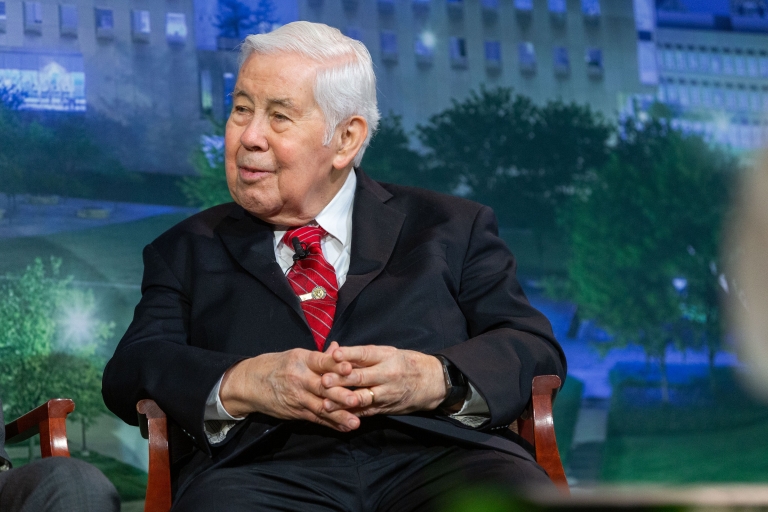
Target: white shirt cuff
x=218 y=422
x=475 y=412
x=214 y=409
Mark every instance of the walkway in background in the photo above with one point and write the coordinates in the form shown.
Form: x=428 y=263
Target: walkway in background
x=46 y=215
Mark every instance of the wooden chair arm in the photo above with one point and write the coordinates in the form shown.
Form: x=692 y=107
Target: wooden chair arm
x=50 y=421
x=154 y=427
x=537 y=427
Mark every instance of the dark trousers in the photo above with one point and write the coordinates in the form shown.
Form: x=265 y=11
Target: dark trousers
x=57 y=484
x=381 y=467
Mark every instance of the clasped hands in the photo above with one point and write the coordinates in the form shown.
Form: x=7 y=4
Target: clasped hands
x=336 y=387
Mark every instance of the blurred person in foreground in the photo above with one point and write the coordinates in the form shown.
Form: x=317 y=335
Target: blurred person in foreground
x=53 y=484
x=328 y=342
x=747 y=245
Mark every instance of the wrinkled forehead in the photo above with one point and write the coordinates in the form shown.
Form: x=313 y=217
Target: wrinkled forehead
x=288 y=75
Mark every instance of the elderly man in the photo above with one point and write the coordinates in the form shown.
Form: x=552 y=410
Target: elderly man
x=328 y=342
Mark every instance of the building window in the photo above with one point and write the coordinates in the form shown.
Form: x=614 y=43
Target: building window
x=693 y=92
x=229 y=87
x=2 y=17
x=206 y=92
x=752 y=66
x=424 y=49
x=33 y=17
x=458 y=52
x=762 y=65
x=68 y=20
x=680 y=60
x=105 y=23
x=557 y=11
x=493 y=54
x=739 y=65
x=524 y=6
x=455 y=8
x=669 y=59
x=527 y=57
x=728 y=67
x=176 y=27
x=595 y=62
x=140 y=27
x=590 y=9
x=388 y=46
x=386 y=6
x=703 y=61
x=562 y=62
x=715 y=64
x=490 y=10
x=692 y=60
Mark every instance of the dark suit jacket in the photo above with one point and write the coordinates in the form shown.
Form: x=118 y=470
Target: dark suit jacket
x=428 y=272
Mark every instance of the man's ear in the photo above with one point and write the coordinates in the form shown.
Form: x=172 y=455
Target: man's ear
x=350 y=135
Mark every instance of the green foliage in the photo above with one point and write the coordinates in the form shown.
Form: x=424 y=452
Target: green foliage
x=522 y=159
x=42 y=153
x=701 y=440
x=48 y=339
x=654 y=214
x=390 y=158
x=209 y=187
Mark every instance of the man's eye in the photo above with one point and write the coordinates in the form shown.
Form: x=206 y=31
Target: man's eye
x=241 y=109
x=279 y=116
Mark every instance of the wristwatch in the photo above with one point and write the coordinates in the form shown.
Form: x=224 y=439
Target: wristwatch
x=455 y=383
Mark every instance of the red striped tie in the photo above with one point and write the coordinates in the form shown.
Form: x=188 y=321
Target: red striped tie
x=314 y=281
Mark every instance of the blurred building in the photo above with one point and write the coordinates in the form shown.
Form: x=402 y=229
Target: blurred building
x=128 y=64
x=711 y=67
x=428 y=52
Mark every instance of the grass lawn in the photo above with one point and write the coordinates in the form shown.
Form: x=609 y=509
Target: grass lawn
x=730 y=455
x=720 y=436
x=131 y=483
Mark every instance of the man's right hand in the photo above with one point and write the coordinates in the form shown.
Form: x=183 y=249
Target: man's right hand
x=288 y=385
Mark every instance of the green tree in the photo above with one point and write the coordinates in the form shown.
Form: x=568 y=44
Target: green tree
x=209 y=187
x=390 y=158
x=652 y=219
x=48 y=340
x=522 y=159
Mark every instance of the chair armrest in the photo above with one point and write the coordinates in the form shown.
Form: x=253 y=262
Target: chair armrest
x=154 y=427
x=50 y=421
x=537 y=427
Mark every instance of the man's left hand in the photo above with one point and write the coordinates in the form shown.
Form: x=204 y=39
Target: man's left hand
x=387 y=380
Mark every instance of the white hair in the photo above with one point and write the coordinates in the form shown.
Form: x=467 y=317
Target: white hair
x=345 y=87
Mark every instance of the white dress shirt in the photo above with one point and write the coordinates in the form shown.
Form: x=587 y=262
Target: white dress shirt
x=336 y=220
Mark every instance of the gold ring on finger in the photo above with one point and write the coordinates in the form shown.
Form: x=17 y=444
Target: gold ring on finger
x=373 y=397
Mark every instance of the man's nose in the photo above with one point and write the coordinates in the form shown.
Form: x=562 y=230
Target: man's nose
x=254 y=137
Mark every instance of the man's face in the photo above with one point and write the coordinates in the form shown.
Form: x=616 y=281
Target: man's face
x=277 y=167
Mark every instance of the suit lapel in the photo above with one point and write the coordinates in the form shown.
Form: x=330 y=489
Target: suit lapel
x=251 y=242
x=375 y=230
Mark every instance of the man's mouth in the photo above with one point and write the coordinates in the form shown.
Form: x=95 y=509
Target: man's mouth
x=252 y=173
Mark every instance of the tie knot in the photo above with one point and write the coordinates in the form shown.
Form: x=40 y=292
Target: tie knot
x=309 y=236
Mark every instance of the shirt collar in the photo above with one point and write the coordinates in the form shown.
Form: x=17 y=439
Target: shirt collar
x=335 y=217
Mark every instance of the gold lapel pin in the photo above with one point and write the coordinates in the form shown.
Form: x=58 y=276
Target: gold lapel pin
x=318 y=292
